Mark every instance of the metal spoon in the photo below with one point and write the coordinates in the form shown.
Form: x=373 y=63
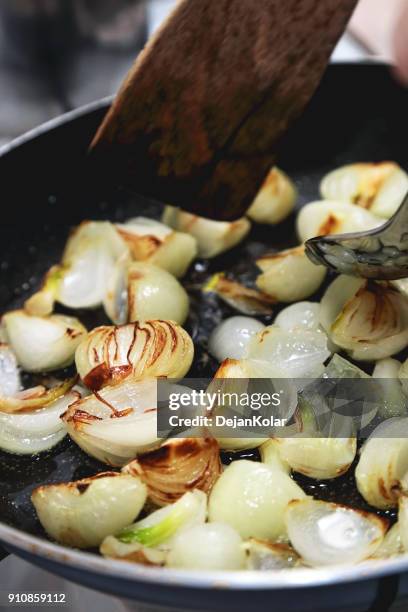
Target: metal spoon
x=380 y=254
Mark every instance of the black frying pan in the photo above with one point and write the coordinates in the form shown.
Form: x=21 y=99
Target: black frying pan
x=358 y=114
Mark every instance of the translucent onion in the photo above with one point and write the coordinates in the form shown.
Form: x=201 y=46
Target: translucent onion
x=212 y=546
x=153 y=242
x=266 y=556
x=178 y=466
x=36 y=431
x=327 y=534
x=10 y=382
x=118 y=423
x=43 y=344
x=149 y=349
x=294 y=354
x=303 y=315
x=393 y=401
x=275 y=200
x=252 y=498
x=391 y=546
x=83 y=513
x=112 y=548
x=378 y=187
x=87 y=264
x=324 y=218
x=230 y=339
x=289 y=276
x=271 y=456
x=159 y=529
x=383 y=463
x=213 y=237
x=368 y=319
x=320 y=458
x=247 y=301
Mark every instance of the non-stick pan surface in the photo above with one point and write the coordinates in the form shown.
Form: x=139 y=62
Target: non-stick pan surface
x=358 y=114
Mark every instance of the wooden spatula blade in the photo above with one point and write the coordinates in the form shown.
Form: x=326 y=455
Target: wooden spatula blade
x=197 y=120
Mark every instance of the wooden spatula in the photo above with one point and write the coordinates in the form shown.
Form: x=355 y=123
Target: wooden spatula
x=197 y=121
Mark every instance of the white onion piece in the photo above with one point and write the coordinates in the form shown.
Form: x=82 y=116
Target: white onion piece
x=252 y=498
x=368 y=319
x=212 y=546
x=243 y=299
x=327 y=534
x=83 y=513
x=153 y=293
x=275 y=200
x=378 y=187
x=325 y=218
x=37 y=431
x=118 y=423
x=266 y=556
x=289 y=276
x=156 y=348
x=153 y=242
x=43 y=343
x=160 y=529
x=10 y=382
x=213 y=237
x=271 y=456
x=112 y=548
x=230 y=338
x=303 y=315
x=403 y=376
x=320 y=458
x=403 y=520
x=393 y=400
x=35 y=398
x=391 y=546
x=383 y=463
x=295 y=354
x=115 y=301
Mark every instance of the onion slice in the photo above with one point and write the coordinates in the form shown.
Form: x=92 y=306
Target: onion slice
x=38 y=397
x=176 y=467
x=326 y=534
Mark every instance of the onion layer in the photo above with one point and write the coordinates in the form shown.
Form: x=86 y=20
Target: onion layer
x=275 y=200
x=10 y=383
x=150 y=349
x=289 y=276
x=178 y=466
x=252 y=498
x=327 y=534
x=43 y=344
x=83 y=513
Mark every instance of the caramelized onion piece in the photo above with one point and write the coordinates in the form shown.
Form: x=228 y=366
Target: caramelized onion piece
x=247 y=301
x=112 y=548
x=275 y=200
x=108 y=355
x=180 y=465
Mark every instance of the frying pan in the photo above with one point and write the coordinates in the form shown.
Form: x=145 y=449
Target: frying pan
x=358 y=114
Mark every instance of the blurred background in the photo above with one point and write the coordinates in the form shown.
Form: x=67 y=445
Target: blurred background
x=56 y=55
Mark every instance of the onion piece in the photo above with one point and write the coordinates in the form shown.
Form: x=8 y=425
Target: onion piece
x=268 y=556
x=275 y=200
x=230 y=338
x=319 y=458
x=271 y=456
x=391 y=546
x=302 y=315
x=368 y=319
x=247 y=301
x=219 y=547
x=252 y=498
x=37 y=397
x=383 y=463
x=176 y=467
x=213 y=237
x=327 y=534
x=118 y=423
x=83 y=513
x=403 y=376
x=112 y=548
x=10 y=382
x=403 y=520
x=158 y=530
x=378 y=187
x=294 y=354
x=289 y=276
x=153 y=242
x=393 y=399
x=43 y=344
x=108 y=355
x=36 y=431
x=325 y=218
